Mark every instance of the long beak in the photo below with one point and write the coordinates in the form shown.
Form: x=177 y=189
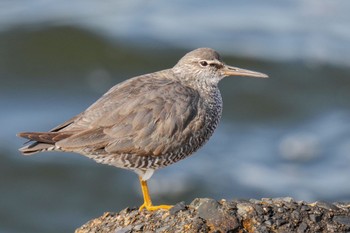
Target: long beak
x=234 y=71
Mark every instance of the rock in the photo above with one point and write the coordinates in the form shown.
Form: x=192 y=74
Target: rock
x=123 y=230
x=207 y=208
x=212 y=212
x=178 y=207
x=315 y=218
x=138 y=227
x=295 y=215
x=244 y=209
x=280 y=222
x=345 y=220
x=208 y=215
x=325 y=205
x=302 y=227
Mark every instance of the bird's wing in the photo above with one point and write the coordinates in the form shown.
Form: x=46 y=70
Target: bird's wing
x=65 y=124
x=146 y=117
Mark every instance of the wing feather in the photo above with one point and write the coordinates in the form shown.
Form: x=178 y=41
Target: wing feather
x=148 y=116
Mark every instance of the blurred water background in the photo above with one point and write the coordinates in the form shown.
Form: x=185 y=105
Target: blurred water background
x=285 y=136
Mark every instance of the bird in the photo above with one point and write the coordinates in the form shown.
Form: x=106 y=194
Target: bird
x=149 y=121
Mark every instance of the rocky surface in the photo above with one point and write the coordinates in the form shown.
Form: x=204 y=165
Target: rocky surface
x=208 y=215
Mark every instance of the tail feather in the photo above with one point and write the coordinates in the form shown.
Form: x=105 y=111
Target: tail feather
x=46 y=137
x=36 y=147
x=41 y=141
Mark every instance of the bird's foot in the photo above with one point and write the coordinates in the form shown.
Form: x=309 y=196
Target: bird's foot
x=147 y=204
x=155 y=207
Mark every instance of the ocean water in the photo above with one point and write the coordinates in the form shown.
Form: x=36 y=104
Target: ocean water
x=284 y=136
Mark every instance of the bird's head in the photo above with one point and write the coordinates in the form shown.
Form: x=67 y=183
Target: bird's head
x=205 y=64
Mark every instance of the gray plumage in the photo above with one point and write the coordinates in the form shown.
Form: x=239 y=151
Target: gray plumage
x=149 y=121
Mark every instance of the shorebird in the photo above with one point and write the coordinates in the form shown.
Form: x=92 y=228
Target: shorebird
x=149 y=121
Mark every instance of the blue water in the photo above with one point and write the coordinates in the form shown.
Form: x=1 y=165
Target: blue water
x=314 y=30
x=285 y=136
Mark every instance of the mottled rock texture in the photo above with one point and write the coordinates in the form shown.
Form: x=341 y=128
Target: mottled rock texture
x=208 y=215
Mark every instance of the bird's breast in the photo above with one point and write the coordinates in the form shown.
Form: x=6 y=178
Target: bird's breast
x=213 y=111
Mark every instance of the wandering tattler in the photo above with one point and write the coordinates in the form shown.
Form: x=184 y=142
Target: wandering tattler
x=147 y=122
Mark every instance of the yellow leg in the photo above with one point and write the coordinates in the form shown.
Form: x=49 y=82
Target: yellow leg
x=147 y=199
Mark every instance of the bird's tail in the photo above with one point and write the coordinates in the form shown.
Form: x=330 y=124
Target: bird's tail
x=41 y=141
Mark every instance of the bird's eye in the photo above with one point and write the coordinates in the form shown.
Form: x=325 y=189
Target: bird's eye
x=203 y=63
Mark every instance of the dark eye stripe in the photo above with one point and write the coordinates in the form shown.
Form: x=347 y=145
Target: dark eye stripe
x=216 y=65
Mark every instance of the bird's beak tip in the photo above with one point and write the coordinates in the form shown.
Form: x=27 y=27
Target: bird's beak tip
x=264 y=76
